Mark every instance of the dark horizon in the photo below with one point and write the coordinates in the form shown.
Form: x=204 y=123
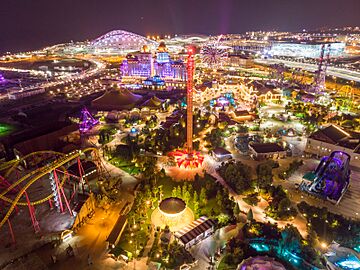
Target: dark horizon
x=28 y=25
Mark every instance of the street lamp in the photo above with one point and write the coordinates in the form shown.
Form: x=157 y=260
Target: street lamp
x=323 y=245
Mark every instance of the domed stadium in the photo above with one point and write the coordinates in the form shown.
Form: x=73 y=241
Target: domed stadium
x=120 y=40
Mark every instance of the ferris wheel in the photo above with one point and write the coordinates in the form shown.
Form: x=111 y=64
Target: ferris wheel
x=213 y=54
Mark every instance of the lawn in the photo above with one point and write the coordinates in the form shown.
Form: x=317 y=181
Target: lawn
x=125 y=165
x=168 y=185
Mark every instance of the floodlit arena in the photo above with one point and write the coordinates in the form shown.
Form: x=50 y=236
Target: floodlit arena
x=173 y=212
x=308 y=50
x=120 y=41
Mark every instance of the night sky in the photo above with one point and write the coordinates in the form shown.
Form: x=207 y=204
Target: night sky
x=32 y=24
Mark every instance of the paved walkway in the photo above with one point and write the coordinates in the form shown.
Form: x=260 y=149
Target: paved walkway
x=208 y=247
x=259 y=209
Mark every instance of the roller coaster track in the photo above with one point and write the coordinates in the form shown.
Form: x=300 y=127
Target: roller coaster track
x=12 y=165
x=7 y=165
x=34 y=176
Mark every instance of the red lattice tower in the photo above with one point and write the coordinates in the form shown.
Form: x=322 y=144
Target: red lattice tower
x=189 y=158
x=190 y=67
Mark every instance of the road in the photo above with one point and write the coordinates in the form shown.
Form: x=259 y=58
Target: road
x=332 y=71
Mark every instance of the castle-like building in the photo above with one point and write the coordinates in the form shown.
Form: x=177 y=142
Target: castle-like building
x=156 y=71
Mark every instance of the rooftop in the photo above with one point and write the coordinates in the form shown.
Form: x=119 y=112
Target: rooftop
x=333 y=134
x=195 y=229
x=263 y=263
x=172 y=205
x=266 y=147
x=219 y=151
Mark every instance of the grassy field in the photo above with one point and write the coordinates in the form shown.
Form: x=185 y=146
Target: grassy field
x=125 y=165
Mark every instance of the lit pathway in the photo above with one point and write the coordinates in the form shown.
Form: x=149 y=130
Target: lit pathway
x=206 y=248
x=259 y=210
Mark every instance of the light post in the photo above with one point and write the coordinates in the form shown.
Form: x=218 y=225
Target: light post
x=136 y=244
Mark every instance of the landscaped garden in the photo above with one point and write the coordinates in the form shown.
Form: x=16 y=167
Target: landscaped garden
x=329 y=227
x=286 y=245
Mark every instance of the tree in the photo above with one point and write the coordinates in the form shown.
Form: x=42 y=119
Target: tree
x=264 y=175
x=123 y=150
x=161 y=193
x=196 y=208
x=290 y=239
x=238 y=255
x=195 y=197
x=237 y=175
x=215 y=138
x=312 y=238
x=236 y=209
x=284 y=205
x=250 y=215
x=219 y=199
x=242 y=129
x=183 y=190
x=178 y=192
x=186 y=196
x=173 y=192
x=203 y=197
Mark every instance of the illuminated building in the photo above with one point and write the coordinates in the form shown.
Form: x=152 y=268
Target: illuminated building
x=195 y=232
x=154 y=82
x=221 y=154
x=261 y=151
x=307 y=50
x=119 y=41
x=248 y=91
x=333 y=138
x=151 y=69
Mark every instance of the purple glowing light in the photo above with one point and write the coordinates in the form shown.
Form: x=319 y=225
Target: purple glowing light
x=87 y=122
x=2 y=79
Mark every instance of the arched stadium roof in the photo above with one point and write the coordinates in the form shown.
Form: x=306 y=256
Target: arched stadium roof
x=122 y=40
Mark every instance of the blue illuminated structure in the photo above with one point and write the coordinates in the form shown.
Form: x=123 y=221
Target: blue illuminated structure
x=331 y=178
x=134 y=132
x=341 y=258
x=260 y=247
x=154 y=82
x=267 y=247
x=163 y=57
x=223 y=101
x=349 y=263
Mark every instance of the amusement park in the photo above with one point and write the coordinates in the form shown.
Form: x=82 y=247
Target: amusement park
x=135 y=150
